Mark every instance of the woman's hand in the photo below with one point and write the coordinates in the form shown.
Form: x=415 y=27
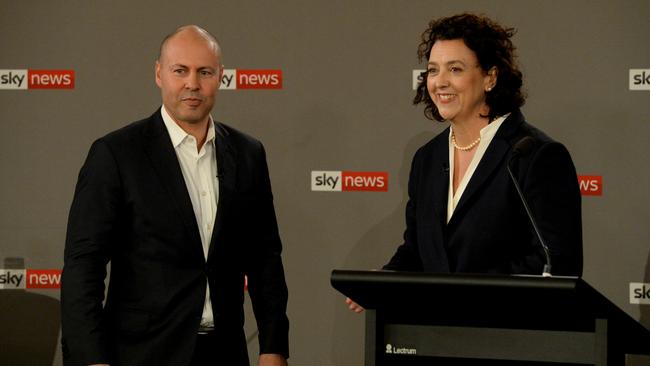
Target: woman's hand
x=354 y=306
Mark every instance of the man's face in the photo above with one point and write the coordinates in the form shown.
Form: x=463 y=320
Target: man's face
x=189 y=74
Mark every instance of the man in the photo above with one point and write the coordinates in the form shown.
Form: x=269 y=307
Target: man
x=181 y=206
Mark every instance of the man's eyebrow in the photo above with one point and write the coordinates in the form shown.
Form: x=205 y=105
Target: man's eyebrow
x=187 y=67
x=178 y=65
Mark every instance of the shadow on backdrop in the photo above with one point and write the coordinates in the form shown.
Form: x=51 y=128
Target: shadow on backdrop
x=392 y=226
x=30 y=324
x=364 y=256
x=645 y=309
x=637 y=360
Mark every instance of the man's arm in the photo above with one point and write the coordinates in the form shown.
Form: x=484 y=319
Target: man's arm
x=266 y=283
x=91 y=227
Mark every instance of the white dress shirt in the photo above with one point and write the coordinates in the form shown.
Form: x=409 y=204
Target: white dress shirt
x=199 y=169
x=487 y=134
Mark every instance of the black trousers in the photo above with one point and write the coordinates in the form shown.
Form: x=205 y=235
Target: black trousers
x=204 y=353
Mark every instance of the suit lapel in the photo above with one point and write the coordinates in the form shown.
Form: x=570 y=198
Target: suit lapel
x=158 y=147
x=227 y=168
x=491 y=160
x=440 y=191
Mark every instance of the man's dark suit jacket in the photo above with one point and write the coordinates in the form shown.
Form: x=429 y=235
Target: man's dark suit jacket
x=131 y=207
x=489 y=231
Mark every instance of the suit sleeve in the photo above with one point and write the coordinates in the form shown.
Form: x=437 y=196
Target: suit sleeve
x=550 y=185
x=266 y=282
x=407 y=256
x=91 y=225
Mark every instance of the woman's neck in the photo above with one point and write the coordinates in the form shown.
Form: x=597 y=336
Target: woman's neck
x=468 y=131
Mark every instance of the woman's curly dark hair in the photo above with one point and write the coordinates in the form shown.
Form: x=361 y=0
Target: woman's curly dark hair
x=492 y=45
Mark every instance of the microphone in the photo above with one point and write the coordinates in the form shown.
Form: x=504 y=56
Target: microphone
x=522 y=148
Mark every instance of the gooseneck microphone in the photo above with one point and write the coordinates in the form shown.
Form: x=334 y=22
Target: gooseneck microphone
x=522 y=148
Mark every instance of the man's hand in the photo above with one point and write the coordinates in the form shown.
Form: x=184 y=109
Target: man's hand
x=271 y=359
x=354 y=306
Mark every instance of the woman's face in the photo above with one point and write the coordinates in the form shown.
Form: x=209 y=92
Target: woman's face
x=456 y=82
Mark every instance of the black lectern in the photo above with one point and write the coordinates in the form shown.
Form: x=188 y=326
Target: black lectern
x=456 y=319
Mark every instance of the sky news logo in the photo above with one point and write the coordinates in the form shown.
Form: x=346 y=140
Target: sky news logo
x=337 y=181
x=251 y=79
x=417 y=77
x=12 y=279
x=639 y=293
x=591 y=185
x=36 y=79
x=639 y=79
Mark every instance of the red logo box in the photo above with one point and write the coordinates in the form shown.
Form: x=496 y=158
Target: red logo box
x=365 y=181
x=43 y=278
x=591 y=185
x=50 y=79
x=259 y=79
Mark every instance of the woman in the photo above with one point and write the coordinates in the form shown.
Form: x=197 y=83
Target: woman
x=464 y=214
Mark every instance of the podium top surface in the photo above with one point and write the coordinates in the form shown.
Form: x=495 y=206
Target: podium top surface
x=390 y=278
x=373 y=289
x=486 y=300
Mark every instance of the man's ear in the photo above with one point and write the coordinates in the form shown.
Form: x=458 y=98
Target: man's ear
x=158 y=82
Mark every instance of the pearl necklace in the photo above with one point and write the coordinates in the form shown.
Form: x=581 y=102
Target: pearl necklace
x=464 y=148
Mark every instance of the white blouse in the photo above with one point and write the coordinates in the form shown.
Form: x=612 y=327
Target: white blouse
x=487 y=134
